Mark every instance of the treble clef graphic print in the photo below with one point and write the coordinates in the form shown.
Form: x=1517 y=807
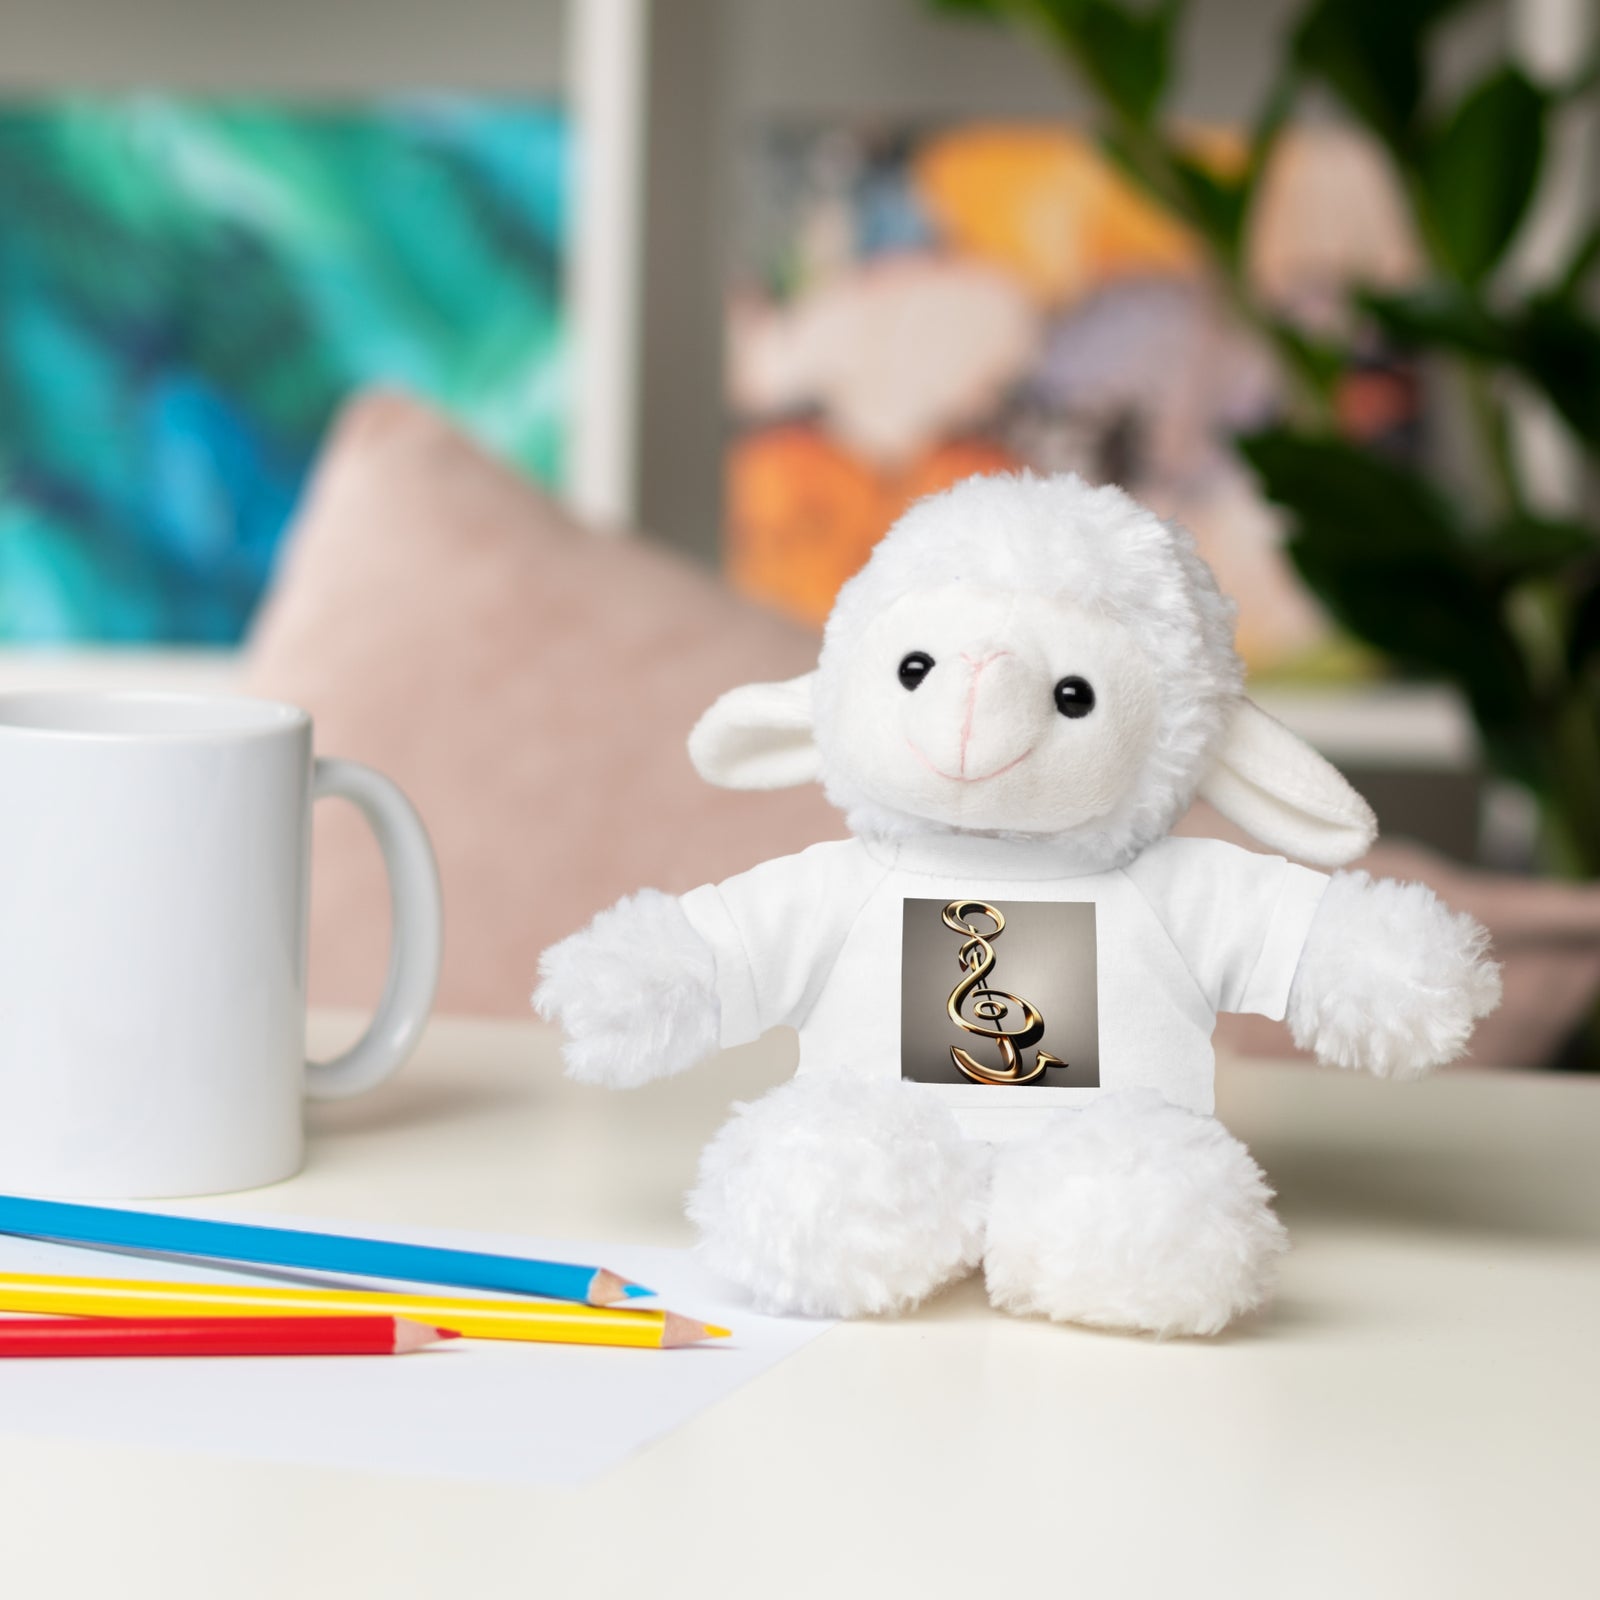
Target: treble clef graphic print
x=989 y=1008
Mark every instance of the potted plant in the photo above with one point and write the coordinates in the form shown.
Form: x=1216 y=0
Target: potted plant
x=1452 y=574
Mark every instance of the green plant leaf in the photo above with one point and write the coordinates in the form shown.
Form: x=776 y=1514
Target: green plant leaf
x=1480 y=171
x=1216 y=205
x=1551 y=340
x=1529 y=546
x=1583 y=642
x=1371 y=54
x=1558 y=346
x=1428 y=617
x=1124 y=51
x=1270 y=120
x=1387 y=556
x=1374 y=506
x=1584 y=260
x=1444 y=315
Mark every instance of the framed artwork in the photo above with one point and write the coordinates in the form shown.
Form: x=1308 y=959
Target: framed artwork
x=915 y=304
x=191 y=288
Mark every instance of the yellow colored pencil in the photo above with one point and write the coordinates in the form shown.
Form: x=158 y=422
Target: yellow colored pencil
x=540 y=1321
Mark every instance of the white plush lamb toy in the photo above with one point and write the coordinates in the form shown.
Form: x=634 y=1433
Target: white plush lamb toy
x=1005 y=982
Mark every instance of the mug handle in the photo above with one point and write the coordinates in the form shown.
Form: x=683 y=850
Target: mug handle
x=416 y=934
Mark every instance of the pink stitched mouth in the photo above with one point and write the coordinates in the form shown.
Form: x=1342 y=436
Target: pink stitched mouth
x=955 y=777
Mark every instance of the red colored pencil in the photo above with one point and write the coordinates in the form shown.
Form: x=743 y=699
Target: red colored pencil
x=215 y=1336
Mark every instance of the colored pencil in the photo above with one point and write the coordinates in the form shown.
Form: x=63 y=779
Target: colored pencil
x=107 y=1226
x=215 y=1336
x=548 y=1322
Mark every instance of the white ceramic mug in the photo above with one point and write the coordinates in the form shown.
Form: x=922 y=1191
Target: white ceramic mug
x=154 y=872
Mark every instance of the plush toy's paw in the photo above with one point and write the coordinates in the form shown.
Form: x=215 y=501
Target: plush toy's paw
x=1135 y=1214
x=841 y=1196
x=634 y=992
x=1391 y=978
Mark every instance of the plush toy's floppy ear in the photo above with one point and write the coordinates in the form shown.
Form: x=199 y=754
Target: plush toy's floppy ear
x=758 y=737
x=1277 y=788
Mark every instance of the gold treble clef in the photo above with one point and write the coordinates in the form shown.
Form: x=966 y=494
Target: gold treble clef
x=991 y=1006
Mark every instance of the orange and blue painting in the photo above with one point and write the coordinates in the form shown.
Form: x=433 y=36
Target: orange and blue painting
x=916 y=305
x=188 y=290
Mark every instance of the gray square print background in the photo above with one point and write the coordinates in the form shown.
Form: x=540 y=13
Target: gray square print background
x=1046 y=954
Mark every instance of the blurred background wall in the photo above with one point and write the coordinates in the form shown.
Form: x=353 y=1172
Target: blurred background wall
x=718 y=72
x=746 y=275
x=290 y=46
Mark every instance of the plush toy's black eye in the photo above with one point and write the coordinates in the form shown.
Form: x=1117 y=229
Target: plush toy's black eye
x=915 y=668
x=1074 y=697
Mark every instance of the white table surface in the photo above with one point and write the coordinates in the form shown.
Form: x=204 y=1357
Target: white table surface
x=1418 y=1416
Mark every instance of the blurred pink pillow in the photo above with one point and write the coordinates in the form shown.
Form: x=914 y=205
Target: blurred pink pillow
x=529 y=684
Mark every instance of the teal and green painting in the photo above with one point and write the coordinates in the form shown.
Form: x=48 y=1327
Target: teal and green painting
x=188 y=290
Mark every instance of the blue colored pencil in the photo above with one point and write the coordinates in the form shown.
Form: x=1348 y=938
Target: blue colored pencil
x=107 y=1227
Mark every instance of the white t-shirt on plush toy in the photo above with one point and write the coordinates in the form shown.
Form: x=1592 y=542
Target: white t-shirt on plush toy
x=1189 y=928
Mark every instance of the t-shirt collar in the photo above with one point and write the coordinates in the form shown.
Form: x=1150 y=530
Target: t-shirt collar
x=988 y=856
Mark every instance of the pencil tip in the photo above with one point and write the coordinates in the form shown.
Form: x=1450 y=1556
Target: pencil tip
x=409 y=1336
x=606 y=1288
x=676 y=1331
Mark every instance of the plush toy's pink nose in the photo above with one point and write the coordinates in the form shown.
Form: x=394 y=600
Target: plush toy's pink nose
x=978 y=722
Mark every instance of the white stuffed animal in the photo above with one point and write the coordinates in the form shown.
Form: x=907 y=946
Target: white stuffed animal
x=1017 y=697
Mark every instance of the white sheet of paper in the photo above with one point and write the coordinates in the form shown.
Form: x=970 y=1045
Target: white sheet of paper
x=471 y=1409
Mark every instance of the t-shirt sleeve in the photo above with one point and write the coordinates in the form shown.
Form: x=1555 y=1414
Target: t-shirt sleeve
x=1239 y=920
x=776 y=931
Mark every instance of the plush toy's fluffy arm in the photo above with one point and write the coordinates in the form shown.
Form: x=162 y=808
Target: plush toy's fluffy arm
x=634 y=992
x=1391 y=979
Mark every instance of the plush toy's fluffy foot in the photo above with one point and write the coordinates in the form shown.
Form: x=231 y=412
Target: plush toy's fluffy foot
x=1391 y=978
x=841 y=1196
x=1131 y=1214
x=635 y=993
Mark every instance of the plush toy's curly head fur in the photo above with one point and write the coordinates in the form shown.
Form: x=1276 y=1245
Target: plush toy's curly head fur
x=1086 y=577
x=1033 y=657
